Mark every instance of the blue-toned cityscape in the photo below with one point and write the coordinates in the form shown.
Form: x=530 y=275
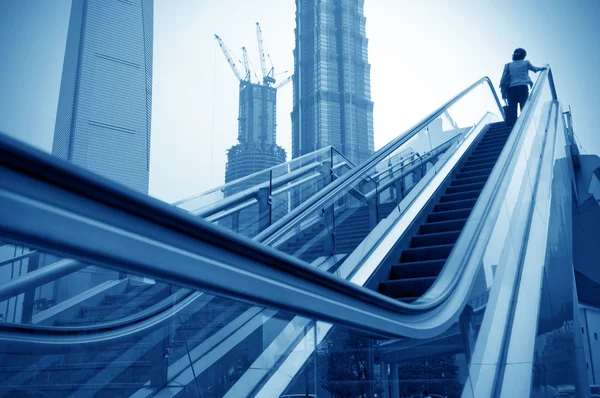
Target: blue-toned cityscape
x=452 y=254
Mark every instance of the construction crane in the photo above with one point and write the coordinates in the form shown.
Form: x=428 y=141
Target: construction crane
x=229 y=57
x=267 y=76
x=246 y=65
x=284 y=82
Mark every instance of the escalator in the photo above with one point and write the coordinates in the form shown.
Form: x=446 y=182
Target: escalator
x=424 y=254
x=405 y=228
x=354 y=222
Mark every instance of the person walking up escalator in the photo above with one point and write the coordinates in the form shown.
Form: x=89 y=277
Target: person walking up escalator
x=515 y=82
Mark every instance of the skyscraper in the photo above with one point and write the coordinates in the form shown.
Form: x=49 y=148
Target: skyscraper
x=105 y=102
x=332 y=87
x=257 y=148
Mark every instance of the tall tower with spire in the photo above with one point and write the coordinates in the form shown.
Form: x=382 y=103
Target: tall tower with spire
x=332 y=83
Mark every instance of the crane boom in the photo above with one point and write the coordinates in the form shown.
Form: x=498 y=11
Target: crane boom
x=261 y=50
x=284 y=82
x=229 y=58
x=246 y=64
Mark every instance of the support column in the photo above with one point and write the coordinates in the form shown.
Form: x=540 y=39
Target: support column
x=263 y=197
x=395 y=381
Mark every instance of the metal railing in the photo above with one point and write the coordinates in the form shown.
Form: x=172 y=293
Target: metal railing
x=257 y=195
x=75 y=213
x=330 y=192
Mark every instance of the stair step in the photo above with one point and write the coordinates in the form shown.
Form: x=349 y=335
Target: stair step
x=487 y=151
x=485 y=156
x=459 y=204
x=477 y=167
x=499 y=129
x=469 y=180
x=406 y=288
x=440 y=238
x=442 y=226
x=475 y=173
x=465 y=188
x=453 y=197
x=439 y=252
x=496 y=135
x=449 y=215
x=417 y=269
x=481 y=163
x=492 y=141
x=353 y=227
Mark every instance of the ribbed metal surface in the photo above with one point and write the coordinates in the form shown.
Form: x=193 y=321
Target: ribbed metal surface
x=434 y=239
x=449 y=215
x=478 y=186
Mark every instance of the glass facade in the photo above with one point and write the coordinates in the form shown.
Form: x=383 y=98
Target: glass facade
x=332 y=87
x=105 y=103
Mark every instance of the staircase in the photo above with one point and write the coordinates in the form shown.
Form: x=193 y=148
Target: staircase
x=121 y=369
x=118 y=306
x=420 y=264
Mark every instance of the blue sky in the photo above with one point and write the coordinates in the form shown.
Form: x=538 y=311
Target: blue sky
x=422 y=53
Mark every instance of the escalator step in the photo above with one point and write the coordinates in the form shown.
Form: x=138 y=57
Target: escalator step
x=453 y=197
x=478 y=186
x=495 y=128
x=442 y=226
x=492 y=141
x=498 y=134
x=439 y=252
x=449 y=215
x=477 y=167
x=405 y=288
x=485 y=156
x=421 y=263
x=418 y=269
x=489 y=146
x=440 y=238
x=489 y=149
x=496 y=131
x=480 y=163
x=460 y=204
x=475 y=173
x=469 y=180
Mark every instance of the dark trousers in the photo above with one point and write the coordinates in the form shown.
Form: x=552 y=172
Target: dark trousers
x=516 y=95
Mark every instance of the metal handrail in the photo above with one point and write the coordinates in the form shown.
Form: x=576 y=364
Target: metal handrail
x=248 y=177
x=18 y=258
x=329 y=192
x=250 y=193
x=488 y=200
x=61 y=176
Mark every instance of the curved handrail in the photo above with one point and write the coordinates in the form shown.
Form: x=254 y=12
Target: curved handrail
x=53 y=337
x=166 y=303
x=490 y=197
x=112 y=195
x=350 y=178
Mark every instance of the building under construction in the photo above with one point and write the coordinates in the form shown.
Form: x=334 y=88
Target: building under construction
x=257 y=148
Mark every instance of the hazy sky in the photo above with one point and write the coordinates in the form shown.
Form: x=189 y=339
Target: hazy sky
x=422 y=53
